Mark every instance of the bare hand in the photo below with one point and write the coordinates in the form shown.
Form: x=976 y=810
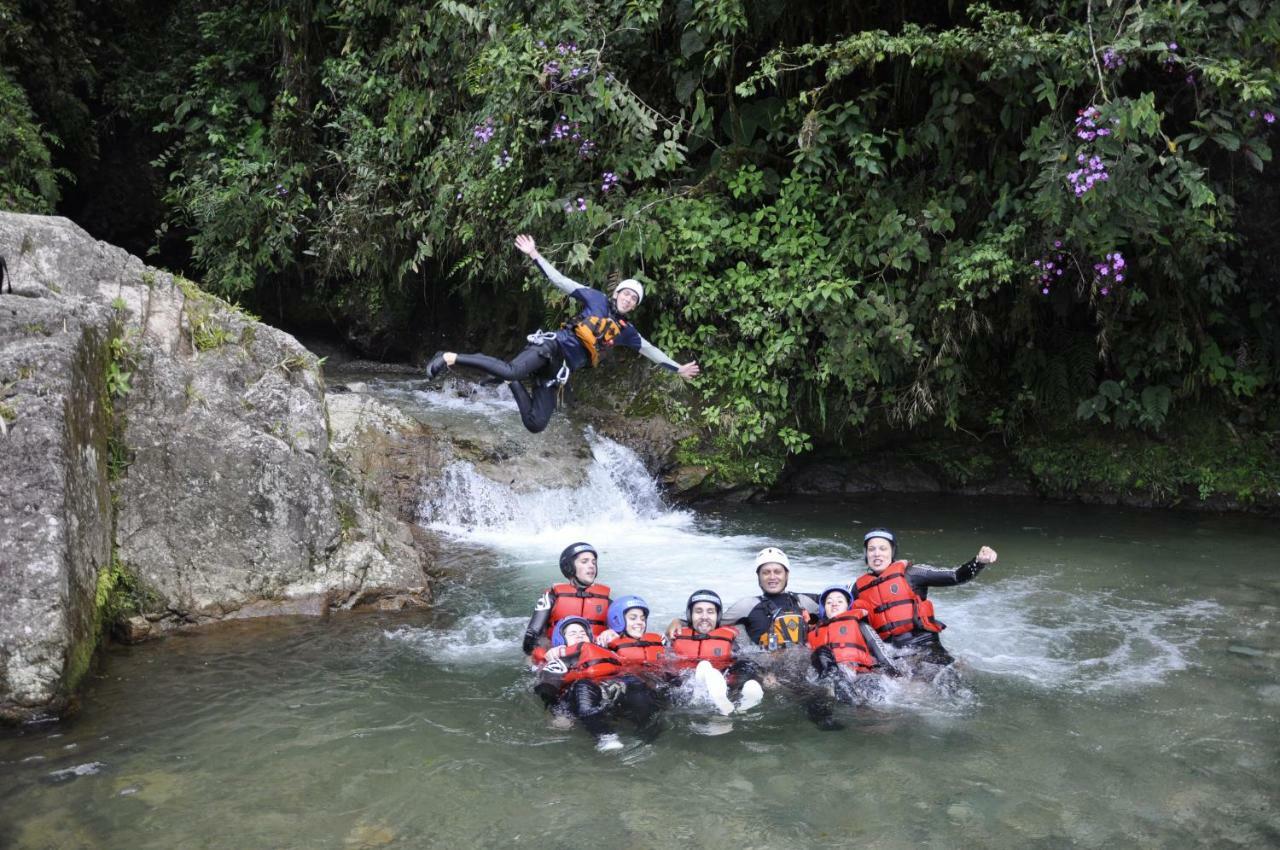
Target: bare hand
x=986 y=555
x=674 y=626
x=525 y=243
x=689 y=370
x=555 y=652
x=606 y=637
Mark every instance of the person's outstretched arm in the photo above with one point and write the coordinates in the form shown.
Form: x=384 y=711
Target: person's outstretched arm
x=923 y=575
x=650 y=351
x=526 y=245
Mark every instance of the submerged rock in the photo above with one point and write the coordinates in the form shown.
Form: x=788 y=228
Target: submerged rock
x=168 y=461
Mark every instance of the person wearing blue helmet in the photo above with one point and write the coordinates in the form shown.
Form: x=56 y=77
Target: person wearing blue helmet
x=551 y=356
x=582 y=679
x=579 y=679
x=642 y=652
x=628 y=634
x=844 y=648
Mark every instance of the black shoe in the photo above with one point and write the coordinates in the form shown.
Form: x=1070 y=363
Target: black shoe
x=436 y=365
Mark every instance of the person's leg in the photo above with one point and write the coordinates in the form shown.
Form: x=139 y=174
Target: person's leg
x=588 y=704
x=641 y=704
x=712 y=682
x=529 y=361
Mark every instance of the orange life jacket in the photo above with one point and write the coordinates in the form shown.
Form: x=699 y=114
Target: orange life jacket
x=842 y=634
x=688 y=647
x=592 y=662
x=596 y=333
x=591 y=603
x=645 y=649
x=893 y=608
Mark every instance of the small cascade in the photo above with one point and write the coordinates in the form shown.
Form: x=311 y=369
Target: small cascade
x=465 y=503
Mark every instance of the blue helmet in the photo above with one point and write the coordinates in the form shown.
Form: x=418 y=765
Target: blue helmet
x=557 y=634
x=618 y=609
x=835 y=588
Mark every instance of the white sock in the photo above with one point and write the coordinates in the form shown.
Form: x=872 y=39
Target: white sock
x=752 y=694
x=717 y=688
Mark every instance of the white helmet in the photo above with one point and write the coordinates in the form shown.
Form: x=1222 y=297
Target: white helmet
x=632 y=284
x=772 y=555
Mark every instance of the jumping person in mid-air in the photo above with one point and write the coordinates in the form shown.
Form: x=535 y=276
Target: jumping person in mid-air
x=551 y=355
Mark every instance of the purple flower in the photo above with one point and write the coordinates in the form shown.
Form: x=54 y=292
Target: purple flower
x=1269 y=117
x=1104 y=290
x=1173 y=45
x=1253 y=113
x=1044 y=291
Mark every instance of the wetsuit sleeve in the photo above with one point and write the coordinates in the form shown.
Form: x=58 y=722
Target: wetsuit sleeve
x=923 y=575
x=878 y=649
x=537 y=627
x=550 y=681
x=809 y=602
x=649 y=351
x=738 y=612
x=566 y=285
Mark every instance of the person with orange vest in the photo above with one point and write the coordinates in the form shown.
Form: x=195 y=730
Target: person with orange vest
x=643 y=654
x=895 y=595
x=551 y=356
x=708 y=647
x=628 y=634
x=580 y=596
x=579 y=678
x=844 y=647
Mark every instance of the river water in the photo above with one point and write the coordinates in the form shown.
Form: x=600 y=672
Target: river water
x=1118 y=687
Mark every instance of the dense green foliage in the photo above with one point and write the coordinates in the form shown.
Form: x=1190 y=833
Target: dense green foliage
x=984 y=216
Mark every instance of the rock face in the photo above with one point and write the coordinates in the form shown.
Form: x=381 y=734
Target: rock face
x=212 y=431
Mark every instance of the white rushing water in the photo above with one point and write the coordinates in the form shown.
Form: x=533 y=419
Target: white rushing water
x=1014 y=622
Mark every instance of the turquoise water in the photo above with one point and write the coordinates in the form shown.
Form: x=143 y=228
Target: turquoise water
x=1118 y=688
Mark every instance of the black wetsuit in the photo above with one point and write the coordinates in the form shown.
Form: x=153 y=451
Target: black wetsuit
x=921 y=577
x=540 y=361
x=756 y=614
x=543 y=359
x=595 y=703
x=849 y=689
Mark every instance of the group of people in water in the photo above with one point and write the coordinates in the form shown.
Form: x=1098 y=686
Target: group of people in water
x=597 y=658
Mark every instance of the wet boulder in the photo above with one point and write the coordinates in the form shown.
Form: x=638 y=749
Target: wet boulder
x=166 y=456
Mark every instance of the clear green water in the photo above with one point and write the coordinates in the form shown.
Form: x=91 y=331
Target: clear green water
x=1119 y=689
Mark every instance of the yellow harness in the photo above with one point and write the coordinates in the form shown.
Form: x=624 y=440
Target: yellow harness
x=596 y=333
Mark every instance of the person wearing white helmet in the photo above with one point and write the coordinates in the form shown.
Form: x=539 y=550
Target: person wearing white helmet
x=776 y=618
x=551 y=356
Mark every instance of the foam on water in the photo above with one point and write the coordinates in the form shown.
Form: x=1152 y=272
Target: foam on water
x=484 y=637
x=1058 y=640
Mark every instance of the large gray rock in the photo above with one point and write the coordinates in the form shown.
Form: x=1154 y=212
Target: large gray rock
x=228 y=499
x=55 y=528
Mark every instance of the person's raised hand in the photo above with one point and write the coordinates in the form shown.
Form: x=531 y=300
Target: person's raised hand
x=526 y=245
x=986 y=555
x=689 y=370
